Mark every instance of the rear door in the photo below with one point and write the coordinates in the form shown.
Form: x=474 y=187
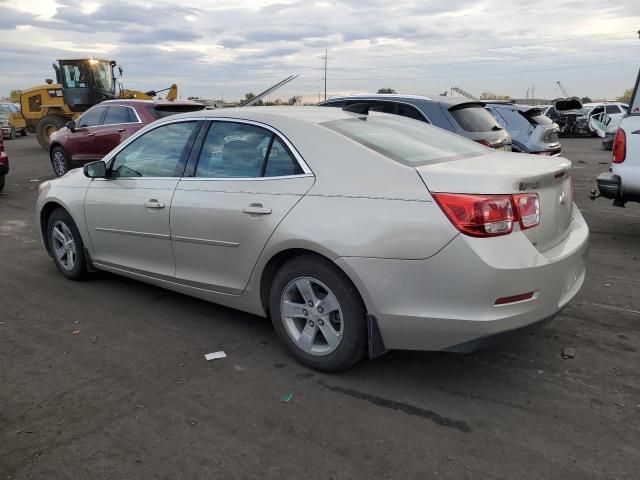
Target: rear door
x=127 y=215
x=119 y=123
x=247 y=179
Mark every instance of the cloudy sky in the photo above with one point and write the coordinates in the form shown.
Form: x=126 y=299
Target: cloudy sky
x=222 y=47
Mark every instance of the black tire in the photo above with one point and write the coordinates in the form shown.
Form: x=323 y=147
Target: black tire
x=353 y=344
x=47 y=126
x=23 y=133
x=59 y=161
x=12 y=135
x=2 y=182
x=79 y=269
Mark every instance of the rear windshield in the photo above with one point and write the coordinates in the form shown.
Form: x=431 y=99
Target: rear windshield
x=536 y=117
x=161 y=111
x=474 y=119
x=405 y=140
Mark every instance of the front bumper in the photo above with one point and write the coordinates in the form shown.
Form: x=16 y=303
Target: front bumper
x=447 y=302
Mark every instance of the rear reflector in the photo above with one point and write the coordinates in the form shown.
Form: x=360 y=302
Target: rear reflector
x=515 y=298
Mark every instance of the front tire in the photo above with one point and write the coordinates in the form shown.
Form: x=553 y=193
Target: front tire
x=2 y=181
x=46 y=127
x=12 y=135
x=318 y=314
x=60 y=161
x=65 y=245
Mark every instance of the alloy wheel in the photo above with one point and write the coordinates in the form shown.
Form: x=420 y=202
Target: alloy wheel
x=59 y=163
x=312 y=316
x=64 y=246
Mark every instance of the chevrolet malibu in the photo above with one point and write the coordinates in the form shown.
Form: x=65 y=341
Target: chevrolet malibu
x=355 y=233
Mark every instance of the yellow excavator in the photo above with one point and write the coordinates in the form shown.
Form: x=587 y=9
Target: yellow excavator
x=80 y=84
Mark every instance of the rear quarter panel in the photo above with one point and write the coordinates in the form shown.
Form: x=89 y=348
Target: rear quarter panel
x=629 y=170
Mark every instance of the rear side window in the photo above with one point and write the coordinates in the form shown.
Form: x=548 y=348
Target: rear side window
x=406 y=141
x=118 y=114
x=612 y=109
x=474 y=119
x=239 y=150
x=410 y=111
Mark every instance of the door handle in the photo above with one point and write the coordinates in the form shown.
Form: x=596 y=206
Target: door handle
x=121 y=130
x=257 y=209
x=91 y=134
x=153 y=203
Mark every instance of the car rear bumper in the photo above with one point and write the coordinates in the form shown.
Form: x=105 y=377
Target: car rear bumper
x=609 y=185
x=448 y=301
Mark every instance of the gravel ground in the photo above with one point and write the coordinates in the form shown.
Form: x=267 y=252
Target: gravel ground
x=106 y=379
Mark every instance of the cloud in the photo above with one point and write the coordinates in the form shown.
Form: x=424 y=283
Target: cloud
x=415 y=46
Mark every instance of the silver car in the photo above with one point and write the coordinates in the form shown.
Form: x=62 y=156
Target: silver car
x=355 y=233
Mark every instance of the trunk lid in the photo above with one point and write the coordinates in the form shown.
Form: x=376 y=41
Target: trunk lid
x=511 y=173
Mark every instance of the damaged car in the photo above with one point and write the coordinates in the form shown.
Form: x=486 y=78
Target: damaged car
x=568 y=113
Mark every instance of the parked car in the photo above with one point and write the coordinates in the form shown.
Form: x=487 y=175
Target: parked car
x=622 y=182
x=455 y=114
x=354 y=232
x=100 y=129
x=531 y=131
x=8 y=131
x=4 y=164
x=569 y=114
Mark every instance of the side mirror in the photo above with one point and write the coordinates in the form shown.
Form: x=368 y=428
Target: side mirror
x=95 y=170
x=71 y=125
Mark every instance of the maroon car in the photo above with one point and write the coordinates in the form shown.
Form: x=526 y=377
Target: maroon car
x=4 y=163
x=101 y=128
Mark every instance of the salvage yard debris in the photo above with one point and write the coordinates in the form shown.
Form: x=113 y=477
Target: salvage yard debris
x=215 y=355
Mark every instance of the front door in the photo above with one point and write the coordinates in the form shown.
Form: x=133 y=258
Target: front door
x=82 y=147
x=247 y=179
x=127 y=215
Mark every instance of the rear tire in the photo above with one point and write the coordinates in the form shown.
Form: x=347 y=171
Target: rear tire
x=2 y=182
x=328 y=339
x=23 y=133
x=60 y=161
x=12 y=135
x=46 y=127
x=65 y=245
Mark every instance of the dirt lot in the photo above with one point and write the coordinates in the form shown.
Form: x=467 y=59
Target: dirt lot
x=106 y=379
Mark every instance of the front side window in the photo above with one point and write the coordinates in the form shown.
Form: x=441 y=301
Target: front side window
x=238 y=150
x=157 y=153
x=612 y=109
x=92 y=118
x=118 y=114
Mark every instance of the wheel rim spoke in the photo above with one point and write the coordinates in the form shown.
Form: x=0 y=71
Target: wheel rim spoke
x=64 y=246
x=329 y=304
x=292 y=310
x=304 y=287
x=307 y=336
x=329 y=333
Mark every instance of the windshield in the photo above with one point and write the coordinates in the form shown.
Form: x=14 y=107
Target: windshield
x=406 y=141
x=6 y=108
x=474 y=119
x=102 y=75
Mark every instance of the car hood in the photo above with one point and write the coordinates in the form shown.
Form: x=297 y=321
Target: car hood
x=568 y=105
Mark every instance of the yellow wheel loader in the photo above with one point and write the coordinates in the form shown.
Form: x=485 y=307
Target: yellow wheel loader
x=80 y=84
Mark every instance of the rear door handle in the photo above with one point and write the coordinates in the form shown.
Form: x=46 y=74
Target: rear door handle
x=257 y=209
x=153 y=203
x=121 y=130
x=91 y=134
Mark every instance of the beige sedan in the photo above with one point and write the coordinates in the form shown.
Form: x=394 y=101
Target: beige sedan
x=355 y=232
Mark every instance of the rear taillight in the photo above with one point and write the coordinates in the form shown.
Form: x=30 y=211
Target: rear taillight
x=619 y=146
x=528 y=209
x=489 y=215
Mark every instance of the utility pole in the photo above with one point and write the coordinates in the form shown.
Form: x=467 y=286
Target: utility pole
x=325 y=73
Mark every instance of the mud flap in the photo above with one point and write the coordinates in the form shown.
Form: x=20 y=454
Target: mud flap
x=376 y=345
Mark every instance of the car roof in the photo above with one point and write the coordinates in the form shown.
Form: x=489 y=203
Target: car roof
x=447 y=102
x=133 y=102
